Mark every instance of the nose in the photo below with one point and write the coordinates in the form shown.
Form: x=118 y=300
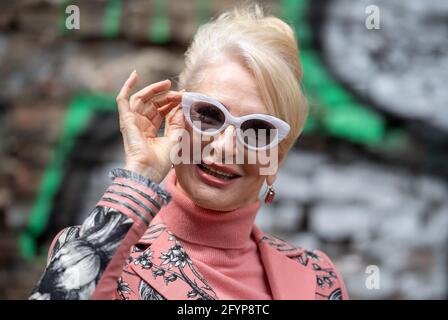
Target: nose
x=224 y=146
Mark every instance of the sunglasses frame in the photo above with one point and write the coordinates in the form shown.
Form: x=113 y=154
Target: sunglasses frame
x=188 y=98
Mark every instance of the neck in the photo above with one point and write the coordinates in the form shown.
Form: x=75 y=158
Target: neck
x=195 y=224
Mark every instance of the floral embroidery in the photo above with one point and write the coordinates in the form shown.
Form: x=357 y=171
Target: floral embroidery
x=144 y=260
x=172 y=264
x=177 y=256
x=325 y=277
x=147 y=292
x=305 y=257
x=123 y=288
x=335 y=295
x=279 y=244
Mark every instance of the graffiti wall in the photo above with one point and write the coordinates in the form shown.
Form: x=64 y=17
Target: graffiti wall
x=366 y=182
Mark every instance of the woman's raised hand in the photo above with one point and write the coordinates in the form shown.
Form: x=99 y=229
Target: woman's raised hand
x=140 y=120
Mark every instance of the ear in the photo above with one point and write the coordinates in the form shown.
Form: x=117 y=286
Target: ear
x=271 y=179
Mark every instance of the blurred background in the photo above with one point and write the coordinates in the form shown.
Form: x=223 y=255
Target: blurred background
x=366 y=183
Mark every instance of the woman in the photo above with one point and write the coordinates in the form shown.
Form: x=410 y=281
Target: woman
x=195 y=238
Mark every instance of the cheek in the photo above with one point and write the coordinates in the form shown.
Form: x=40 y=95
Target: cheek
x=251 y=183
x=191 y=148
x=256 y=162
x=252 y=170
x=197 y=143
x=252 y=180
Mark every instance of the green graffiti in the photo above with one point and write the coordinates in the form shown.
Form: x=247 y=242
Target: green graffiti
x=79 y=112
x=159 y=26
x=112 y=18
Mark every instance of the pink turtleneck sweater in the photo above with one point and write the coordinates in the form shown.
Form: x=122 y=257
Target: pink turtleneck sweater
x=219 y=243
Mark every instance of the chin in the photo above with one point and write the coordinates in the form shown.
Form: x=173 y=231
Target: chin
x=213 y=201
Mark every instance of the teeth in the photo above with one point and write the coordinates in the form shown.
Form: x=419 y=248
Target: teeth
x=218 y=173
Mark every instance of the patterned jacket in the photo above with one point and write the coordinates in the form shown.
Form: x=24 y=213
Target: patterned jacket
x=123 y=250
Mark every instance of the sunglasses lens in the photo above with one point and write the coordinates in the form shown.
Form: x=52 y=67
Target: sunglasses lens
x=258 y=133
x=206 y=116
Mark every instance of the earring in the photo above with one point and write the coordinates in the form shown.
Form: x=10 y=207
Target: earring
x=270 y=194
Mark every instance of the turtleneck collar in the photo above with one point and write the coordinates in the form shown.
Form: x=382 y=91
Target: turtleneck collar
x=219 y=229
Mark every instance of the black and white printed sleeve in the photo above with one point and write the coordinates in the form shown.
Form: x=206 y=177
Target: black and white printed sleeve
x=85 y=261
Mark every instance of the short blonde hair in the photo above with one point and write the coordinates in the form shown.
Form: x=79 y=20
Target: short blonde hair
x=267 y=47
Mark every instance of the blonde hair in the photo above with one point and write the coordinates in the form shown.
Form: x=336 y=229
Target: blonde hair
x=267 y=47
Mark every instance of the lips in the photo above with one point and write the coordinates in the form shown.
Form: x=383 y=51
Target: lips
x=216 y=176
x=225 y=175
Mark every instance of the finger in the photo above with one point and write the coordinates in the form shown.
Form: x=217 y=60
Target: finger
x=123 y=95
x=157 y=102
x=163 y=99
x=147 y=93
x=153 y=112
x=166 y=109
x=156 y=116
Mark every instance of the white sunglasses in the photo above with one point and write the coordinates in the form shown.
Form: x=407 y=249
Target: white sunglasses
x=208 y=116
